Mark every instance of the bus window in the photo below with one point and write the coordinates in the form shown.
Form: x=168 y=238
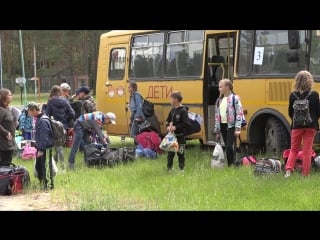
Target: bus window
x=277 y=57
x=245 y=52
x=315 y=54
x=117 y=63
x=226 y=50
x=184 y=54
x=146 y=56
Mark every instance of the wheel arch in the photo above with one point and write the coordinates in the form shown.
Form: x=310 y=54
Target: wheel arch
x=260 y=118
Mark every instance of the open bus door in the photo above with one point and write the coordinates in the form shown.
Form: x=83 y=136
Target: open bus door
x=219 y=65
x=116 y=96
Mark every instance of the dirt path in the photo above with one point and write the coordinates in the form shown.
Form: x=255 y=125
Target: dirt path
x=30 y=202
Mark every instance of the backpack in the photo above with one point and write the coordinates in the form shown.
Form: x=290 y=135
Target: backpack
x=246 y=160
x=58 y=132
x=194 y=125
x=147 y=107
x=301 y=111
x=149 y=140
x=267 y=166
x=29 y=152
x=243 y=120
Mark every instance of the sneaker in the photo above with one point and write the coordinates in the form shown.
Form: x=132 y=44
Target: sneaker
x=170 y=170
x=288 y=174
x=71 y=166
x=182 y=171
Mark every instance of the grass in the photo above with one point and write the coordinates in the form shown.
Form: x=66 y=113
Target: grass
x=146 y=185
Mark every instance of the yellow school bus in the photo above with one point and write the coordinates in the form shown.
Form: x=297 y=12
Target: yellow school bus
x=261 y=63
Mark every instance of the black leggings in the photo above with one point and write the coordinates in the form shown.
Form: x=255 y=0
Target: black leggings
x=228 y=138
x=5 y=158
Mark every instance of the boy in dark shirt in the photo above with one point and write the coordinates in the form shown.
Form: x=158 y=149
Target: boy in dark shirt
x=177 y=122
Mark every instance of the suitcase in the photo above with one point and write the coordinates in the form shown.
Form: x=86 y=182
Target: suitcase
x=13 y=179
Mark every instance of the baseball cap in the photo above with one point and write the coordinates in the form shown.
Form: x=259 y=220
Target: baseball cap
x=65 y=86
x=33 y=105
x=83 y=89
x=111 y=116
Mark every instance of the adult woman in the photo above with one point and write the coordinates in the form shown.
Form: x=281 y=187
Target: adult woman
x=228 y=117
x=7 y=128
x=135 y=106
x=305 y=134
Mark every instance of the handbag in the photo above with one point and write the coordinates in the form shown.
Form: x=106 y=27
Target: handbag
x=169 y=143
x=29 y=152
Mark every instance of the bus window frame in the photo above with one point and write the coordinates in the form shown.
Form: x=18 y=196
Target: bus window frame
x=180 y=43
x=124 y=70
x=138 y=79
x=252 y=75
x=163 y=67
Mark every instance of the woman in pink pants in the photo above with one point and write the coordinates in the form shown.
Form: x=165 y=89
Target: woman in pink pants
x=303 y=134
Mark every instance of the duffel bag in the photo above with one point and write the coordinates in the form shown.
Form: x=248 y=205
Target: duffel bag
x=97 y=156
x=267 y=166
x=13 y=179
x=93 y=155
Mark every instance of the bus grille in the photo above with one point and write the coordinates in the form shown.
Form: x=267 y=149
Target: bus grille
x=279 y=91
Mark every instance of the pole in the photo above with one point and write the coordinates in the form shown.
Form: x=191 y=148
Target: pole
x=1 y=84
x=35 y=70
x=22 y=66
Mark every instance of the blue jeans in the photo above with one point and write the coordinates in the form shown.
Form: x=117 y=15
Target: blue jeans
x=134 y=131
x=27 y=135
x=79 y=133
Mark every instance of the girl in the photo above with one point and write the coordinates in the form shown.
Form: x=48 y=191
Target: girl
x=305 y=134
x=228 y=117
x=135 y=106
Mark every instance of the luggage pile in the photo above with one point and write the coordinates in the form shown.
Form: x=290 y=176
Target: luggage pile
x=97 y=156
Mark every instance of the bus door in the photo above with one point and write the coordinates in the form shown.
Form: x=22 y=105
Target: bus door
x=116 y=88
x=219 y=65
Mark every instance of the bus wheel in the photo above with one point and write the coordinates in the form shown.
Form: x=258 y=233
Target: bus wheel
x=276 y=136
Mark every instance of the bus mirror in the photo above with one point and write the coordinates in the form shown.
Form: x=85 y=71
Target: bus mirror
x=294 y=39
x=293 y=56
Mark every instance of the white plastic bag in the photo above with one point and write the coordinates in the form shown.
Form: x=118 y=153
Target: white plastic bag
x=217 y=159
x=169 y=143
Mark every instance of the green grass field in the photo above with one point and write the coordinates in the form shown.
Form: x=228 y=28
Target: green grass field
x=146 y=185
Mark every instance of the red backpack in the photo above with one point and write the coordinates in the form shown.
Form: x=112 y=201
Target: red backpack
x=149 y=140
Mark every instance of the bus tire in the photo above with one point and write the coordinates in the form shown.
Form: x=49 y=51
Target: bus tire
x=276 y=136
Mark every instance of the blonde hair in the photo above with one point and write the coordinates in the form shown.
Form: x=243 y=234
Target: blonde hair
x=304 y=81
x=227 y=82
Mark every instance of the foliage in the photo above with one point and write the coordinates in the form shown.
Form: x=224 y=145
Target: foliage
x=58 y=53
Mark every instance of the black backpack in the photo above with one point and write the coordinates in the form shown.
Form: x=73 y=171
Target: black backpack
x=147 y=107
x=301 y=111
x=194 y=124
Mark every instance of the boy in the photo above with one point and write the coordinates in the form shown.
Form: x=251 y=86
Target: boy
x=177 y=122
x=44 y=140
x=89 y=122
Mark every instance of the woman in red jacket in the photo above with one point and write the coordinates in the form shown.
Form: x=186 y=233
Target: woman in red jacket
x=306 y=133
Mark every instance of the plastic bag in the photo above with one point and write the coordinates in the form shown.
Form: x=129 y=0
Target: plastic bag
x=217 y=159
x=169 y=143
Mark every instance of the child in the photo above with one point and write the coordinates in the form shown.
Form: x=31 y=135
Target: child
x=177 y=122
x=44 y=140
x=26 y=125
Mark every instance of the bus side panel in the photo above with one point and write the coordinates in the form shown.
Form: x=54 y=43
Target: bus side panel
x=112 y=92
